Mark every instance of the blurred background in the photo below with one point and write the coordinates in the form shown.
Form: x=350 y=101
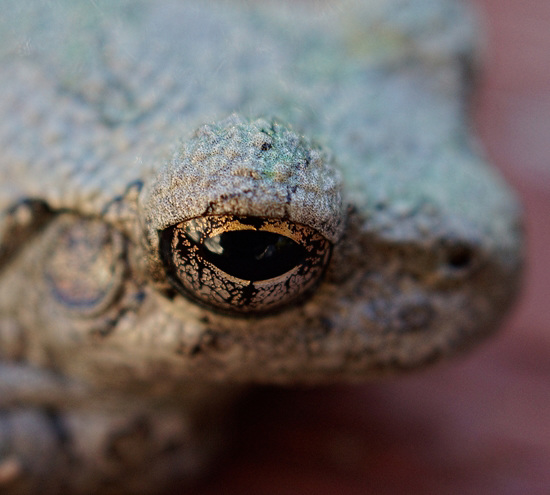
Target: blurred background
x=479 y=424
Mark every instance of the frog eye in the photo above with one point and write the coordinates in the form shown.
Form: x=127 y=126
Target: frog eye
x=85 y=269
x=243 y=264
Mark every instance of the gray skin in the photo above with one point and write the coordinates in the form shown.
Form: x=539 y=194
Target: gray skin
x=112 y=381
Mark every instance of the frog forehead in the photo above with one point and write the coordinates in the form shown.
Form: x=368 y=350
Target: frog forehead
x=248 y=168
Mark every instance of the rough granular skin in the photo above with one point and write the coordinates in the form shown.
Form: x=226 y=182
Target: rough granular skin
x=122 y=119
x=256 y=168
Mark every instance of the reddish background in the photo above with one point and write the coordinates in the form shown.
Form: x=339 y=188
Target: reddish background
x=477 y=425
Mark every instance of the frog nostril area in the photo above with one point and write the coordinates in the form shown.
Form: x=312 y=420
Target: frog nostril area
x=459 y=257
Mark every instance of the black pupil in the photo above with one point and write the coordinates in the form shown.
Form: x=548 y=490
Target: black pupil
x=252 y=255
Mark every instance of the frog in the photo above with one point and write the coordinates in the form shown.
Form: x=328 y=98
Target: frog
x=200 y=197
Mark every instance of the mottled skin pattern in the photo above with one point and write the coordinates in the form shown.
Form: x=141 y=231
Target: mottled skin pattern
x=111 y=381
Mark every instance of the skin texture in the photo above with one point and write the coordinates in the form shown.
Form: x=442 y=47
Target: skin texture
x=477 y=424
x=426 y=240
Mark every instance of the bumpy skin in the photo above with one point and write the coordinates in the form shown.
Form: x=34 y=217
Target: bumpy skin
x=111 y=381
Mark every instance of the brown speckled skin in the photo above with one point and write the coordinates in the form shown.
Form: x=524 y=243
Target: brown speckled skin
x=109 y=380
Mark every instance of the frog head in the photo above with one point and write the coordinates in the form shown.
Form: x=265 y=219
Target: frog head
x=253 y=255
